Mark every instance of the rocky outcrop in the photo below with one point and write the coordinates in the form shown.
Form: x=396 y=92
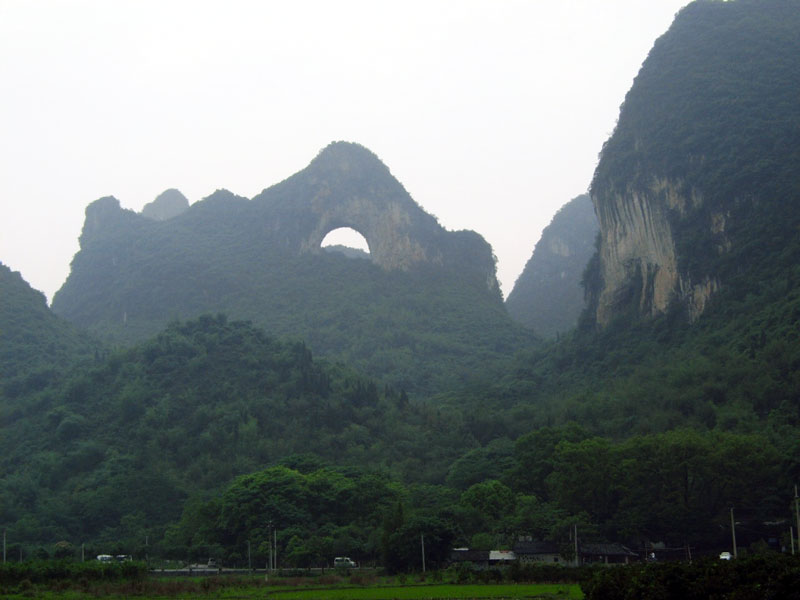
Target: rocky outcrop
x=168 y=204
x=638 y=257
x=387 y=226
x=636 y=245
x=346 y=185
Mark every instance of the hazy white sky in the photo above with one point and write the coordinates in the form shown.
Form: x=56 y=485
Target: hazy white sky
x=491 y=113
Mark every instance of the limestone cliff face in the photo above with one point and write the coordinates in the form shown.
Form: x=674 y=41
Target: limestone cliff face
x=387 y=227
x=638 y=257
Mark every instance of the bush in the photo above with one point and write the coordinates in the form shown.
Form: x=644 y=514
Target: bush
x=757 y=577
x=463 y=572
x=48 y=571
x=548 y=573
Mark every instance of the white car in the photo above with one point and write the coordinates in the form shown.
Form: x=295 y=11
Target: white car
x=344 y=561
x=725 y=556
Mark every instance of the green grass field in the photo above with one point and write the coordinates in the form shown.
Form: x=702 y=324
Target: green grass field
x=433 y=592
x=185 y=590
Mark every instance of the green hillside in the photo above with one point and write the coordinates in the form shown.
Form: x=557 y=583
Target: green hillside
x=129 y=439
x=735 y=368
x=649 y=380
x=192 y=437
x=35 y=345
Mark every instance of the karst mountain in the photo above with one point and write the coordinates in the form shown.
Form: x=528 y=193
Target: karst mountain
x=424 y=310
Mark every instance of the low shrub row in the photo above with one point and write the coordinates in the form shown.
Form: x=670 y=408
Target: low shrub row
x=752 y=578
x=45 y=571
x=520 y=573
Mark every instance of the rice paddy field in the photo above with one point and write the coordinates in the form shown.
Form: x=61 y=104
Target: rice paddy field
x=435 y=592
x=251 y=588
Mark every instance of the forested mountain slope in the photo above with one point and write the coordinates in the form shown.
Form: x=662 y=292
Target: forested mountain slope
x=423 y=313
x=148 y=442
x=548 y=296
x=709 y=110
x=124 y=442
x=695 y=321
x=34 y=343
x=697 y=189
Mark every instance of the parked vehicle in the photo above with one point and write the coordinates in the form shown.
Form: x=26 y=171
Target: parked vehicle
x=344 y=561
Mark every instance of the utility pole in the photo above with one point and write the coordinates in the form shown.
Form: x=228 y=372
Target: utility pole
x=797 y=514
x=275 y=554
x=577 y=556
x=733 y=535
x=422 y=539
x=4 y=546
x=249 y=562
x=791 y=537
x=269 y=541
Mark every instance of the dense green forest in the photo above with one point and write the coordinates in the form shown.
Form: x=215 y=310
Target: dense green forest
x=428 y=411
x=141 y=430
x=37 y=345
x=147 y=443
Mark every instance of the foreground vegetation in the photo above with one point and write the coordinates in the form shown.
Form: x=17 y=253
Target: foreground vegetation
x=758 y=577
x=64 y=581
x=440 y=591
x=754 y=578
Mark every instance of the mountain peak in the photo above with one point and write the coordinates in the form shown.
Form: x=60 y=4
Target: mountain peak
x=347 y=158
x=104 y=217
x=169 y=203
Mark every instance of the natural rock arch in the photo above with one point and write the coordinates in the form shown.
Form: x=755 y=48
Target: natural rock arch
x=391 y=242
x=351 y=188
